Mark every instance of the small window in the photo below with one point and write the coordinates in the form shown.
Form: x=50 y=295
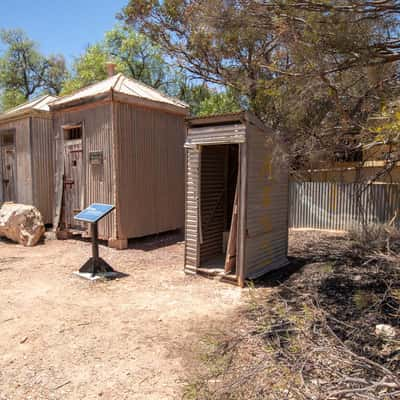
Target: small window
x=7 y=138
x=73 y=133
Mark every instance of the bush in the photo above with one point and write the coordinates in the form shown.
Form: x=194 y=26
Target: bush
x=375 y=238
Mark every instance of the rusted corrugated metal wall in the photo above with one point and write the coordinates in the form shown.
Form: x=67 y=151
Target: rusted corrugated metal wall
x=23 y=159
x=150 y=170
x=98 y=180
x=267 y=203
x=228 y=133
x=342 y=206
x=191 y=208
x=43 y=171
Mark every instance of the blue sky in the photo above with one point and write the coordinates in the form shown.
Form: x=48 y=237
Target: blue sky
x=61 y=26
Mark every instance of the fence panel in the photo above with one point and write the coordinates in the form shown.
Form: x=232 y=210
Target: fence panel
x=342 y=206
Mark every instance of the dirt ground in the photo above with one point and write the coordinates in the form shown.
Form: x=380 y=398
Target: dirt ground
x=62 y=337
x=309 y=330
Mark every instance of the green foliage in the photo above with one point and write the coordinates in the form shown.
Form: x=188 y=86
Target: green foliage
x=11 y=98
x=364 y=299
x=218 y=103
x=134 y=55
x=138 y=57
x=385 y=126
x=312 y=70
x=89 y=68
x=24 y=71
x=205 y=101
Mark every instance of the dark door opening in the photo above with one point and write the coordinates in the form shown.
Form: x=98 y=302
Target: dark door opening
x=219 y=207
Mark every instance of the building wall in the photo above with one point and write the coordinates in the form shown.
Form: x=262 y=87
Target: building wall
x=23 y=159
x=267 y=203
x=43 y=166
x=381 y=152
x=150 y=170
x=351 y=173
x=217 y=134
x=99 y=180
x=343 y=206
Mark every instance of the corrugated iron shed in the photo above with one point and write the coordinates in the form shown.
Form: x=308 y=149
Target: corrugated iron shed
x=236 y=198
x=27 y=155
x=40 y=104
x=119 y=86
x=125 y=147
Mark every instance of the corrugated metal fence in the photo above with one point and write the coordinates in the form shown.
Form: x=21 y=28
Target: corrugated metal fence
x=342 y=206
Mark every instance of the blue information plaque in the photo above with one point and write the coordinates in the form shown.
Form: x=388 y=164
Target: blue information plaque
x=94 y=213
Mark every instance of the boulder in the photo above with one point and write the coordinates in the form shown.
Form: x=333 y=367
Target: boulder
x=21 y=223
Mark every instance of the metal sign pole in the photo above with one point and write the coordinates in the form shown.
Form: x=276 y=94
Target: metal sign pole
x=95 y=243
x=95 y=265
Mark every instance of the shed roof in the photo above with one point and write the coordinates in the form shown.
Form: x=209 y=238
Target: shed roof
x=40 y=104
x=226 y=118
x=122 y=85
x=216 y=119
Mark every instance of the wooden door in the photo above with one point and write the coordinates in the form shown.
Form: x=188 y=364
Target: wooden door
x=73 y=191
x=8 y=172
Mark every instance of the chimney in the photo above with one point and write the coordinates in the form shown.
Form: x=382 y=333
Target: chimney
x=111 y=68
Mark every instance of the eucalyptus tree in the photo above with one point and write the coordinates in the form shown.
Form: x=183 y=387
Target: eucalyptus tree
x=24 y=71
x=315 y=70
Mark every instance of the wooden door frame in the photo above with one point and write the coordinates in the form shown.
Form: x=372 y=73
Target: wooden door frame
x=13 y=132
x=241 y=231
x=66 y=127
x=242 y=215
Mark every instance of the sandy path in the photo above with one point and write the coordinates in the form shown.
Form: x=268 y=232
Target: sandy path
x=63 y=337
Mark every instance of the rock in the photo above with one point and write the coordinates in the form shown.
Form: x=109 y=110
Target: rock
x=386 y=331
x=21 y=223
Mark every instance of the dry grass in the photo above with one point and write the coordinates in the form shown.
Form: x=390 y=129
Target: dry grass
x=309 y=333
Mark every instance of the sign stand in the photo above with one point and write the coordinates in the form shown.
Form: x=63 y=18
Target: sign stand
x=95 y=267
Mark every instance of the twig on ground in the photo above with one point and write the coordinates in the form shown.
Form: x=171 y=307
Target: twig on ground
x=62 y=385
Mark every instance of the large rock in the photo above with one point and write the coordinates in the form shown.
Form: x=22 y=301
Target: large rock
x=21 y=223
x=386 y=331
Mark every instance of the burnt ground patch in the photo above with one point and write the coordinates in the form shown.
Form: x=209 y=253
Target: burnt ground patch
x=356 y=289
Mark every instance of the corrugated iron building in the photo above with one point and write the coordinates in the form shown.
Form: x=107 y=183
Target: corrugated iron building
x=236 y=198
x=27 y=156
x=120 y=142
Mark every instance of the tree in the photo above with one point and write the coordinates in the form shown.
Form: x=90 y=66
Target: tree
x=208 y=39
x=134 y=55
x=24 y=71
x=310 y=69
x=138 y=57
x=384 y=46
x=219 y=102
x=89 y=68
x=203 y=100
x=11 y=98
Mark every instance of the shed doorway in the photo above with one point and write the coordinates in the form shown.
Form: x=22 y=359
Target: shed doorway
x=7 y=167
x=72 y=190
x=219 y=207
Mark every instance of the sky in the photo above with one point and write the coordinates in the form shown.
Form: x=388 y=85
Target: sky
x=61 y=26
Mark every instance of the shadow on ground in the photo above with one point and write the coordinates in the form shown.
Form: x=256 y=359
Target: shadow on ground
x=154 y=242
x=355 y=295
x=147 y=243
